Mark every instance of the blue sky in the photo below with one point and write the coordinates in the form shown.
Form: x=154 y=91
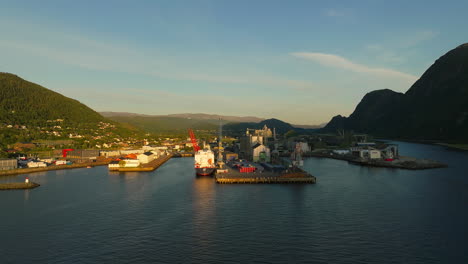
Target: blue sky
x=299 y=61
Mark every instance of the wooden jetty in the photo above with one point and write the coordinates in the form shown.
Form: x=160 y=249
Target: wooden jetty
x=151 y=166
x=18 y=185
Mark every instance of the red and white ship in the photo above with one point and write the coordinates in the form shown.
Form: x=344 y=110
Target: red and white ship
x=204 y=158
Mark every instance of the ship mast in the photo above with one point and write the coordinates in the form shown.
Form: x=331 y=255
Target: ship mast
x=220 y=145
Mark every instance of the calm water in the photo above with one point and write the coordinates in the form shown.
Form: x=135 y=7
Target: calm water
x=352 y=215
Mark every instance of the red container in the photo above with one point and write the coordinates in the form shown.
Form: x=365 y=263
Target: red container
x=247 y=169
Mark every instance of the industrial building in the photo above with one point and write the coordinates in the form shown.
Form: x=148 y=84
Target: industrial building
x=146 y=157
x=253 y=145
x=8 y=164
x=83 y=154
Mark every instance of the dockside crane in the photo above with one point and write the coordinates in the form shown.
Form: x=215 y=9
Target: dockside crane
x=196 y=148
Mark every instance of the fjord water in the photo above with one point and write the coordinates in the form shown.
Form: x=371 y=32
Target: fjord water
x=352 y=215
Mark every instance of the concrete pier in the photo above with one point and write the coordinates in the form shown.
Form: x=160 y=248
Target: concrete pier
x=18 y=185
x=52 y=167
x=233 y=176
x=147 y=167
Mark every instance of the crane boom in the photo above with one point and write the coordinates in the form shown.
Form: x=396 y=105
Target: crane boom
x=194 y=140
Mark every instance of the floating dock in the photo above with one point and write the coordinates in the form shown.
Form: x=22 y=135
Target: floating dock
x=18 y=185
x=234 y=177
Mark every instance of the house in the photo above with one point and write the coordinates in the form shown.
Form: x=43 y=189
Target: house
x=146 y=157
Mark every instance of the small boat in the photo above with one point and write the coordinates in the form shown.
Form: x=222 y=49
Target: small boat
x=89 y=167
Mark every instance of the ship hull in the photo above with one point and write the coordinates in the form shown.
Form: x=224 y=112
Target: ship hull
x=204 y=171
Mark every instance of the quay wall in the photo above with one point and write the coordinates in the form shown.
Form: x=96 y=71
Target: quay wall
x=52 y=167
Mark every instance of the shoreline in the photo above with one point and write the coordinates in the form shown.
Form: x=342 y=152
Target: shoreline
x=456 y=146
x=51 y=168
x=403 y=162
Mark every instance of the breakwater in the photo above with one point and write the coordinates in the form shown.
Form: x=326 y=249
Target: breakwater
x=18 y=185
x=232 y=176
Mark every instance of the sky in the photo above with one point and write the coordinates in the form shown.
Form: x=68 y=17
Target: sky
x=299 y=61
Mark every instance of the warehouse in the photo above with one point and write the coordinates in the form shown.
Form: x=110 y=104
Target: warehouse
x=8 y=164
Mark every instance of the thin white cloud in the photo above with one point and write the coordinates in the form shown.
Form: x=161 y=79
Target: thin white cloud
x=335 y=61
x=418 y=37
x=333 y=13
x=101 y=56
x=338 y=12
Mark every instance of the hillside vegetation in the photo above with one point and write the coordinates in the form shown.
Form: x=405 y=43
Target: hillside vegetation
x=27 y=103
x=30 y=112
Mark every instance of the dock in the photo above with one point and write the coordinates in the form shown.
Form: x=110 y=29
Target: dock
x=234 y=177
x=52 y=167
x=403 y=162
x=18 y=185
x=151 y=166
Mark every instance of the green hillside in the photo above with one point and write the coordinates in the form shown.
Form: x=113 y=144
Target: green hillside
x=30 y=112
x=27 y=103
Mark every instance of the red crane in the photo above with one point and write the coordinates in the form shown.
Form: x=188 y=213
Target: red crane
x=194 y=140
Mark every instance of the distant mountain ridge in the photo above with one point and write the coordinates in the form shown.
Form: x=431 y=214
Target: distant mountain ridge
x=434 y=108
x=181 y=122
x=200 y=116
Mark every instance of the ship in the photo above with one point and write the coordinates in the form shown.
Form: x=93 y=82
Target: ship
x=204 y=162
x=204 y=158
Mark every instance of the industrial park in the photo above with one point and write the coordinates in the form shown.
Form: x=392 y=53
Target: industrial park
x=257 y=156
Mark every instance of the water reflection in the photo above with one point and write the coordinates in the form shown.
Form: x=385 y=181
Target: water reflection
x=203 y=206
x=26 y=195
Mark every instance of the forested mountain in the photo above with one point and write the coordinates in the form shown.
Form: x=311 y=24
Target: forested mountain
x=26 y=103
x=434 y=108
x=30 y=112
